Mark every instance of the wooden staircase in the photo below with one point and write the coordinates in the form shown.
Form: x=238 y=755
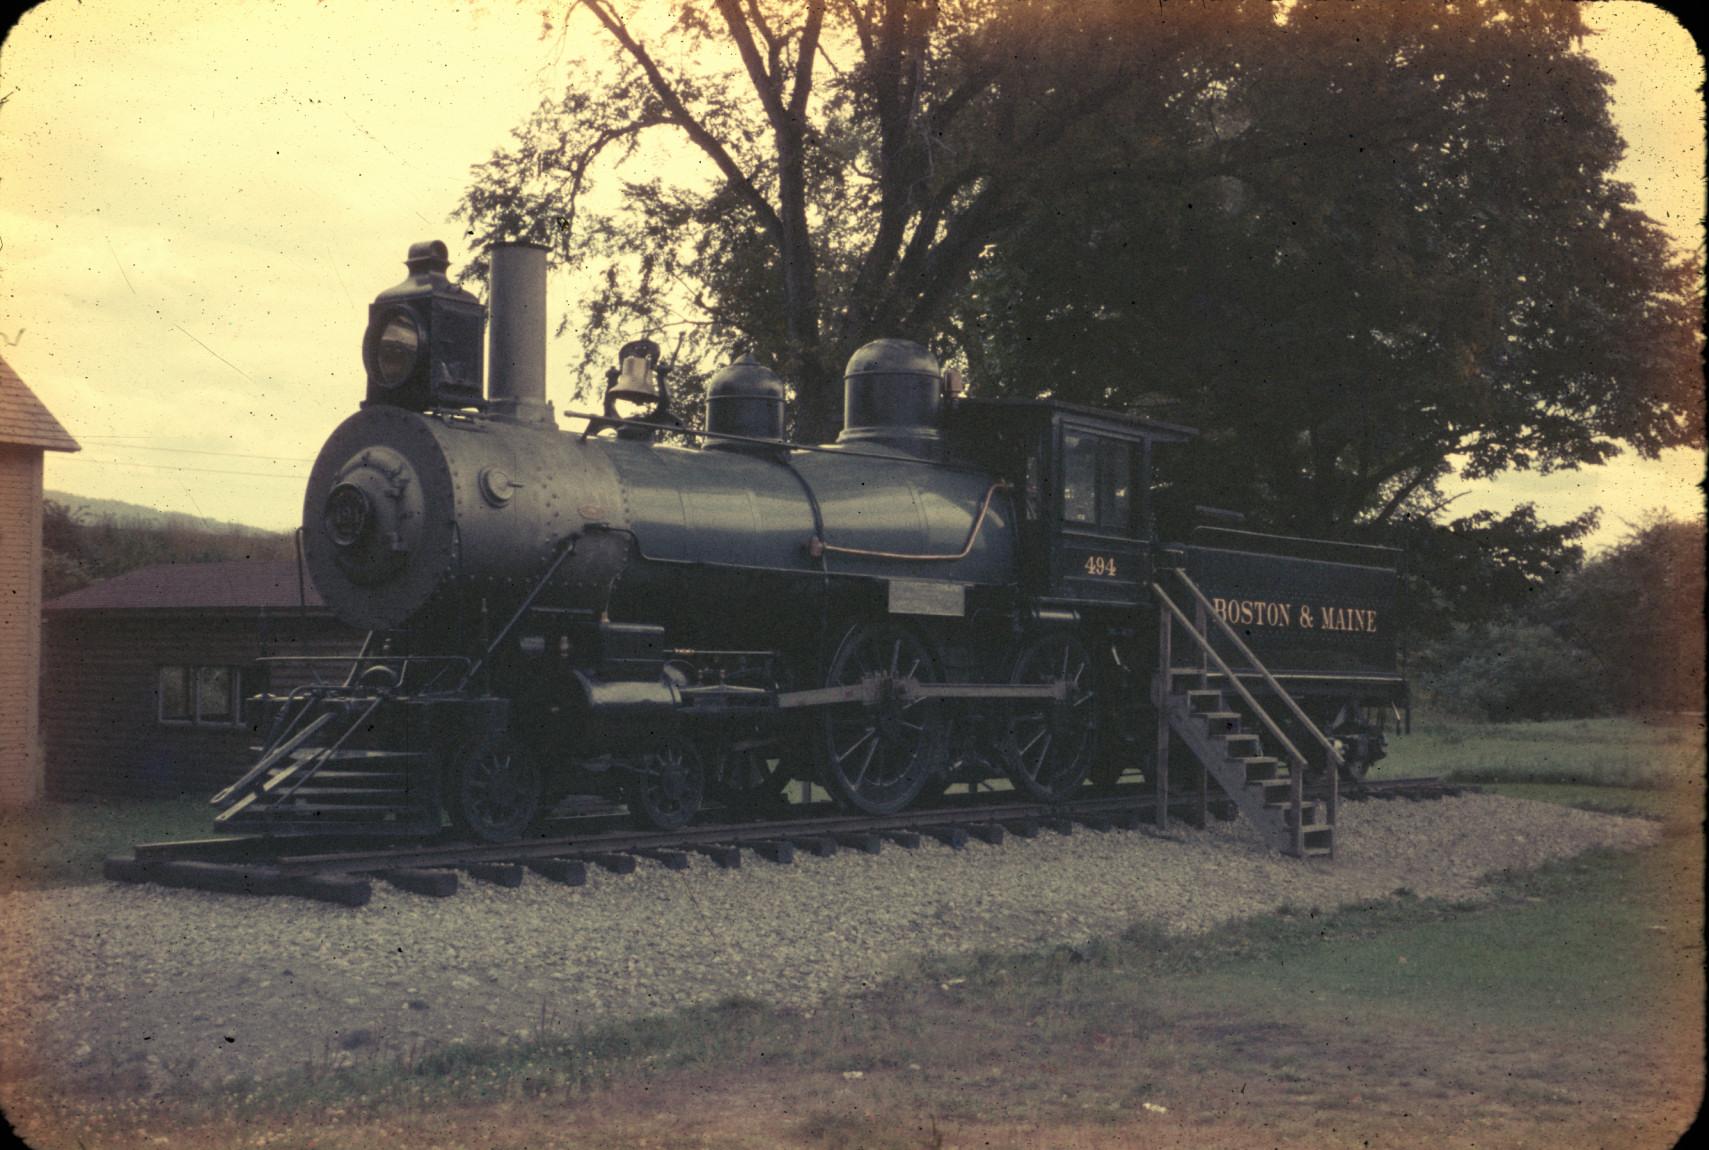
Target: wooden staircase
x=1263 y=787
x=1227 y=735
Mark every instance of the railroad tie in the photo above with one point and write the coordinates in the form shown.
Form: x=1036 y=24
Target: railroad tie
x=782 y=853
x=953 y=837
x=615 y=862
x=670 y=860
x=497 y=873
x=570 y=872
x=726 y=855
x=987 y=832
x=416 y=880
x=861 y=841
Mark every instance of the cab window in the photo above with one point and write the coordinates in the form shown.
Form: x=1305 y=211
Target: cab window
x=1079 y=479
x=1097 y=482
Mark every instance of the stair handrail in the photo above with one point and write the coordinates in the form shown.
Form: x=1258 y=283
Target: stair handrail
x=1335 y=759
x=1270 y=724
x=287 y=741
x=325 y=754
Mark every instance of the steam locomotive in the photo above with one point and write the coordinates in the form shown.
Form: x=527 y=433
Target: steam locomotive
x=957 y=589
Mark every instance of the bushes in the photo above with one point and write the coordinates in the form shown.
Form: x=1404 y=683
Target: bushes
x=1513 y=670
x=1624 y=634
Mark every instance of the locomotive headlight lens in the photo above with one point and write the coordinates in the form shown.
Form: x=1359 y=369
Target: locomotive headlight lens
x=397 y=349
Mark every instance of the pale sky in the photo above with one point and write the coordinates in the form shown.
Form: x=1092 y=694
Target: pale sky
x=199 y=198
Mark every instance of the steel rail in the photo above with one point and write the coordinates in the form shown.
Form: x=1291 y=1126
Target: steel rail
x=261 y=864
x=737 y=834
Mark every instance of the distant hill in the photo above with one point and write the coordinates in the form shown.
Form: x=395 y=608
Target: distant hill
x=125 y=514
x=85 y=540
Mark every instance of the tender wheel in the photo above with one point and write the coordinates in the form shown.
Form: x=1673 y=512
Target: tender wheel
x=668 y=785
x=496 y=794
x=1050 y=746
x=1361 y=744
x=875 y=759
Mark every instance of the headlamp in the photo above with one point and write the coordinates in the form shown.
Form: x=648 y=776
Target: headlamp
x=397 y=349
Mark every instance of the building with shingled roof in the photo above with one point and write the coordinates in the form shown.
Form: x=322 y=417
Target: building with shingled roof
x=150 y=674
x=27 y=432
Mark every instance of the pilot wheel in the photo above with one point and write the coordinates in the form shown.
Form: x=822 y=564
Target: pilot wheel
x=876 y=754
x=667 y=785
x=496 y=793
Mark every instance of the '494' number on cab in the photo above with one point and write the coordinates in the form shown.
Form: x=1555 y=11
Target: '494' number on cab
x=1104 y=565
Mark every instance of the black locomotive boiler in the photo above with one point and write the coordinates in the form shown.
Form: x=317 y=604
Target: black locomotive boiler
x=956 y=590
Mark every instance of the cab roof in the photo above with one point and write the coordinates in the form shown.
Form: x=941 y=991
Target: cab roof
x=1119 y=421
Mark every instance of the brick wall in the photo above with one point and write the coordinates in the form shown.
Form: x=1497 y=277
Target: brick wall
x=20 y=622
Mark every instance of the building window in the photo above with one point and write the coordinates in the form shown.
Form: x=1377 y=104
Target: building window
x=202 y=696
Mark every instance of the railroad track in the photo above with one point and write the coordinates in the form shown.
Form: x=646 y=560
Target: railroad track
x=343 y=871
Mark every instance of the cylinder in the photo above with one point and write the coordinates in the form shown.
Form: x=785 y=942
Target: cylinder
x=517 y=345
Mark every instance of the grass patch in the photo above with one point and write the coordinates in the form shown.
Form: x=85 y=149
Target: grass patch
x=55 y=844
x=1568 y=952
x=1641 y=802
x=1620 y=752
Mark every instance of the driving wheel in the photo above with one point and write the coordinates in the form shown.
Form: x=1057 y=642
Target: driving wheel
x=876 y=755
x=1050 y=744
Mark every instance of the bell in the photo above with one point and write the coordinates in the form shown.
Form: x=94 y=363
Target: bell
x=635 y=381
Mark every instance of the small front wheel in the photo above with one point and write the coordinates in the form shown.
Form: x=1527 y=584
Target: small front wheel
x=496 y=793
x=667 y=786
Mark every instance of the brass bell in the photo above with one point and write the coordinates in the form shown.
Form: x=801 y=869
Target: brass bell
x=635 y=381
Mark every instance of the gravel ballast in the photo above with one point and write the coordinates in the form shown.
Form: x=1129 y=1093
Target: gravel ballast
x=162 y=986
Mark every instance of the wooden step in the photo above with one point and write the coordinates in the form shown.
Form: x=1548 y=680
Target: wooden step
x=1220 y=723
x=1259 y=768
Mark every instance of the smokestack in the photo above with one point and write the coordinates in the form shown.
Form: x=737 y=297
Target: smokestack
x=516 y=358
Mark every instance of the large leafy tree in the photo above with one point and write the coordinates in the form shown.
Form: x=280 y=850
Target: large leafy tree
x=1362 y=244
x=835 y=169
x=1386 y=247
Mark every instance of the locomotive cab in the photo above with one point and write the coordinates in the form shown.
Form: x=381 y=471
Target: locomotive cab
x=1083 y=479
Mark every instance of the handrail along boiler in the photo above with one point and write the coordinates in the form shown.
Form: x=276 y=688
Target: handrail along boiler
x=956 y=589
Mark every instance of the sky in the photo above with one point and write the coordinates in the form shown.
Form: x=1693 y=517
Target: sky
x=198 y=199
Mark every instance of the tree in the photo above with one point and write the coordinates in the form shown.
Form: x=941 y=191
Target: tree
x=1639 y=608
x=1387 y=248
x=1364 y=245
x=834 y=210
